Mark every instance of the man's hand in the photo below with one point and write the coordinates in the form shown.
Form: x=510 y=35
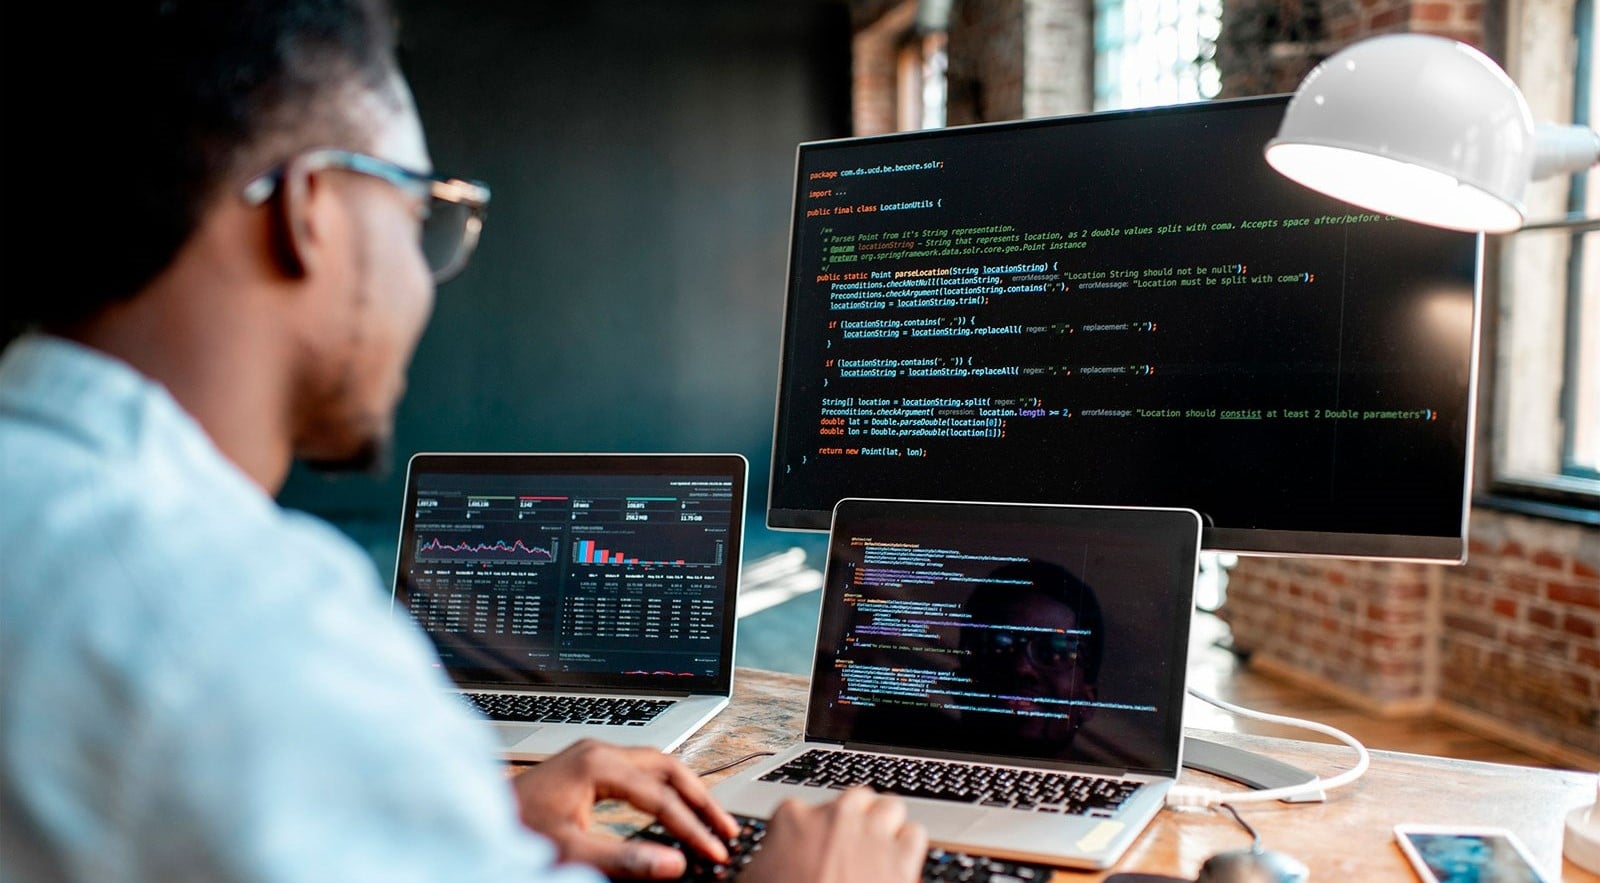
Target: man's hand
x=557 y=798
x=859 y=837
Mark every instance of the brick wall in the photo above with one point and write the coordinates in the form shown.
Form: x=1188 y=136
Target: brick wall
x=1462 y=20
x=1519 y=639
x=1359 y=627
x=1267 y=46
x=1508 y=644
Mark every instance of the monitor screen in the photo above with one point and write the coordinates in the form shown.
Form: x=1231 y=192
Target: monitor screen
x=1125 y=308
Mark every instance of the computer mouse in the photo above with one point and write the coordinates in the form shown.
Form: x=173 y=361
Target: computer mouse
x=1252 y=866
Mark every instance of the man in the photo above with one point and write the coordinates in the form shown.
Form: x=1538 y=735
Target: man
x=243 y=238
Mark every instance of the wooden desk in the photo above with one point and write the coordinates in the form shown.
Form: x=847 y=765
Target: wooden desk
x=1348 y=838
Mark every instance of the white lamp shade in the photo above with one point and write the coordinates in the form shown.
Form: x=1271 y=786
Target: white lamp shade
x=1414 y=126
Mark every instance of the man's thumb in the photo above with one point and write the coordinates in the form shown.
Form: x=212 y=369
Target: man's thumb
x=627 y=859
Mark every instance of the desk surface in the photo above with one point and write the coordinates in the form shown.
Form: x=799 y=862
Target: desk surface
x=1347 y=838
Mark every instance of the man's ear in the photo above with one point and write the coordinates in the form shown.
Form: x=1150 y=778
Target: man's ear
x=295 y=232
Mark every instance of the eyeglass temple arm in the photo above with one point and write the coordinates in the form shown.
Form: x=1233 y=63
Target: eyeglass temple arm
x=469 y=193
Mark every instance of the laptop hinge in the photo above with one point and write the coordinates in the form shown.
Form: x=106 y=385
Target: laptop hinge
x=477 y=686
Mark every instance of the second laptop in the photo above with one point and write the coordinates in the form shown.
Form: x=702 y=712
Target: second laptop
x=578 y=595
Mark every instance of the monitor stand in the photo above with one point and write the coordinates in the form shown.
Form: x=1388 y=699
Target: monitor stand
x=1236 y=764
x=1246 y=767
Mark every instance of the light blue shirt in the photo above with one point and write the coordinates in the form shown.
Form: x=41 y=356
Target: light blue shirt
x=198 y=685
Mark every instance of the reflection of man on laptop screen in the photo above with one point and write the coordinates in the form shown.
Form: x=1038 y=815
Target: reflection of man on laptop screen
x=1045 y=675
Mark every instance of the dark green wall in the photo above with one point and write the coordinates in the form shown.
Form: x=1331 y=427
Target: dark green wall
x=627 y=294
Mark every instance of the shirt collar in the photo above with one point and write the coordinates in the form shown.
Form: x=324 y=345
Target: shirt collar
x=105 y=404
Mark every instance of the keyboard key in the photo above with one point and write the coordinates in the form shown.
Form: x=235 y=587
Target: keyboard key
x=1034 y=790
x=600 y=711
x=940 y=865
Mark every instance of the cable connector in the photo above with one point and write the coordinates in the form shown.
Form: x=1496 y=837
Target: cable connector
x=1194 y=797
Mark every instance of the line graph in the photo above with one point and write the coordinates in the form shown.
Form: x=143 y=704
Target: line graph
x=514 y=549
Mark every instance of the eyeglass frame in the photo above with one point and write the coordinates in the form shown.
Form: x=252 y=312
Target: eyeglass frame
x=1027 y=644
x=473 y=195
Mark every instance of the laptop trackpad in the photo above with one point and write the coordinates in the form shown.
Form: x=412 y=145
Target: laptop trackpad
x=944 y=820
x=511 y=734
x=1082 y=835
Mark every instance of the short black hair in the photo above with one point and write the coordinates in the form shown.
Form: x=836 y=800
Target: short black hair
x=1058 y=584
x=146 y=108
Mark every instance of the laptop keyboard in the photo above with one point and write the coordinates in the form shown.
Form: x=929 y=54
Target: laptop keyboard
x=1034 y=790
x=938 y=866
x=600 y=710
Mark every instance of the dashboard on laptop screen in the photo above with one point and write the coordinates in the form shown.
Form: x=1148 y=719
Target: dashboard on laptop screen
x=573 y=579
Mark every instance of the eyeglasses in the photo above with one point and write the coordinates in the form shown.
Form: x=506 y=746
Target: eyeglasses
x=452 y=213
x=1050 y=651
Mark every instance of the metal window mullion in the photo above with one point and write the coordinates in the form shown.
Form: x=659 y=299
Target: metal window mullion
x=1572 y=363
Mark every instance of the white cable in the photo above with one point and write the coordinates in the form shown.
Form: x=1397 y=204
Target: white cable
x=1189 y=795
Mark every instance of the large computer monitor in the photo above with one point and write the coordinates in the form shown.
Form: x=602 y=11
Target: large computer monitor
x=1126 y=308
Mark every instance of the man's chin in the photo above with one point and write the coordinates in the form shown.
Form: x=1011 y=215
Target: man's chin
x=373 y=457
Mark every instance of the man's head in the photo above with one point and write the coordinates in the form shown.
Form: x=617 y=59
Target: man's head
x=253 y=161
x=1042 y=641
x=185 y=100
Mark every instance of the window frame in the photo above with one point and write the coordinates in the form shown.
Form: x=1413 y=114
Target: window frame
x=1572 y=491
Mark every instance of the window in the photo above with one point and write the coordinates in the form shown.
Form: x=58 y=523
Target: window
x=1545 y=437
x=1150 y=53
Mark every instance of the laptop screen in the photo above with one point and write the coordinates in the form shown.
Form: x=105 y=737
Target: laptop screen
x=575 y=570
x=1044 y=633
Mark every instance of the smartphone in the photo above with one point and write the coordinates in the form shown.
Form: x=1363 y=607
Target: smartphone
x=1446 y=854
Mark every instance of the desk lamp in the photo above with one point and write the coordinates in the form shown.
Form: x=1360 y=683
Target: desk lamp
x=1427 y=129
x=1433 y=131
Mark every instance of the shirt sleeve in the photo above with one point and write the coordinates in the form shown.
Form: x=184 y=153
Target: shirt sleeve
x=306 y=734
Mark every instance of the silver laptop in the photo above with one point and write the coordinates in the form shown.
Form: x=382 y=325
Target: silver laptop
x=1016 y=672
x=577 y=596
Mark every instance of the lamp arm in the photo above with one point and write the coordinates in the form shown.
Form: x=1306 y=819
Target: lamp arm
x=1575 y=223
x=1560 y=149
